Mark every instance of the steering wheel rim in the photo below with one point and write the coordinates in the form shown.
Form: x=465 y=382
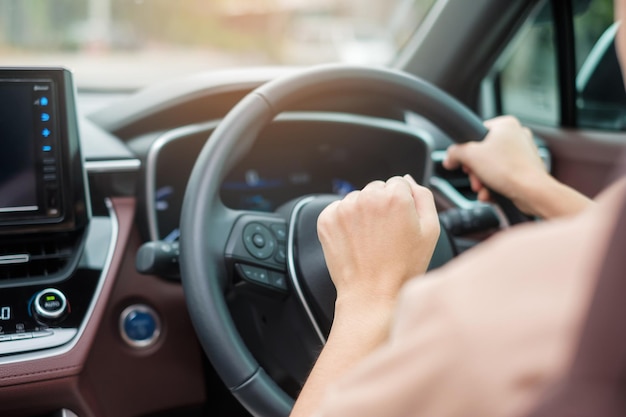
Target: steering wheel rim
x=205 y=220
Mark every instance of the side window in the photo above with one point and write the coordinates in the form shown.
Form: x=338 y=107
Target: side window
x=601 y=97
x=529 y=79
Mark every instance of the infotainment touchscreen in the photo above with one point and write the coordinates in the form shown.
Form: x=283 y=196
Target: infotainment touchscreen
x=20 y=103
x=41 y=175
x=28 y=129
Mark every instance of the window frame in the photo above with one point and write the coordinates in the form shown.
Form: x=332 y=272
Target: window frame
x=568 y=113
x=565 y=47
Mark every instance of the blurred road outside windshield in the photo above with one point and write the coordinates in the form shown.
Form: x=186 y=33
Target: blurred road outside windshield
x=122 y=44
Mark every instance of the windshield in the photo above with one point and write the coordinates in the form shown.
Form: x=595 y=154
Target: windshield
x=131 y=43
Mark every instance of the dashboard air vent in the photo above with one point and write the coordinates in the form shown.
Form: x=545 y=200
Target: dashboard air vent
x=36 y=257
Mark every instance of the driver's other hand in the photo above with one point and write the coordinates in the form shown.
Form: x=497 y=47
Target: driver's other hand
x=375 y=239
x=506 y=161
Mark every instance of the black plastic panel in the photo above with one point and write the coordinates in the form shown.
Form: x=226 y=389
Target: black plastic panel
x=49 y=122
x=291 y=158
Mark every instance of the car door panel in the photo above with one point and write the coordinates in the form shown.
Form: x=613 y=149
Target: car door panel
x=583 y=159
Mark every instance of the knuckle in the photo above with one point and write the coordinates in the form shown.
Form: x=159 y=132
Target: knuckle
x=327 y=216
x=350 y=197
x=527 y=132
x=348 y=207
x=465 y=151
x=398 y=194
x=323 y=223
x=372 y=199
x=512 y=120
x=373 y=185
x=425 y=192
x=452 y=151
x=394 y=179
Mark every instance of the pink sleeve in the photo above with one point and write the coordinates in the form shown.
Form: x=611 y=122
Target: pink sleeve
x=487 y=343
x=414 y=371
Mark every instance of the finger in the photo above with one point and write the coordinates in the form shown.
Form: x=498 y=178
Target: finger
x=500 y=120
x=326 y=219
x=489 y=123
x=409 y=178
x=374 y=185
x=451 y=161
x=457 y=156
x=423 y=197
x=351 y=196
x=400 y=187
x=426 y=211
x=475 y=183
x=397 y=180
x=346 y=206
x=484 y=195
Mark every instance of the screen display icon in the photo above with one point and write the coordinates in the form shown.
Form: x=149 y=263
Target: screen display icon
x=5 y=313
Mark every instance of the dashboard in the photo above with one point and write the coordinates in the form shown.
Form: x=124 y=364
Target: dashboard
x=44 y=212
x=123 y=344
x=297 y=155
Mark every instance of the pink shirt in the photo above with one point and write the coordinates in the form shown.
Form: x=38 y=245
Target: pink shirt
x=487 y=343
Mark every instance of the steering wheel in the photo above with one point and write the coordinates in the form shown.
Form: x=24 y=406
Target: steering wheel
x=278 y=251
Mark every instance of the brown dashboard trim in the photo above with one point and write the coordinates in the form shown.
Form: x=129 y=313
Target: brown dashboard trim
x=126 y=381
x=21 y=382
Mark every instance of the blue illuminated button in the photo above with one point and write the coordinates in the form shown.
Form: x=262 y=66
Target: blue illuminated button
x=45 y=117
x=140 y=326
x=45 y=133
x=46 y=148
x=43 y=101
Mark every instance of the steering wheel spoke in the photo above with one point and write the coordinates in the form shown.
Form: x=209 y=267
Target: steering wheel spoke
x=256 y=252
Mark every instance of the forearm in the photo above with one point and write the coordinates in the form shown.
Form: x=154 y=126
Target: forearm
x=356 y=332
x=548 y=198
x=374 y=240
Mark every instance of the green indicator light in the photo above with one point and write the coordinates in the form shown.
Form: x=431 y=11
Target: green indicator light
x=50 y=298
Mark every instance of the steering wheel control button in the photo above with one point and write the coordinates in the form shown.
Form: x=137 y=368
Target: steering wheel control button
x=272 y=279
x=280 y=231
x=254 y=274
x=281 y=254
x=259 y=241
x=50 y=306
x=140 y=326
x=278 y=280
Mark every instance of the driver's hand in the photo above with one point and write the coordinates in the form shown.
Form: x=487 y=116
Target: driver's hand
x=375 y=239
x=506 y=161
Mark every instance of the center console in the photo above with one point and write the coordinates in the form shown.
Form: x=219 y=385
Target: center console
x=46 y=285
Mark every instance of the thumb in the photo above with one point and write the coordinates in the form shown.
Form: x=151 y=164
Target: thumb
x=423 y=198
x=456 y=156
